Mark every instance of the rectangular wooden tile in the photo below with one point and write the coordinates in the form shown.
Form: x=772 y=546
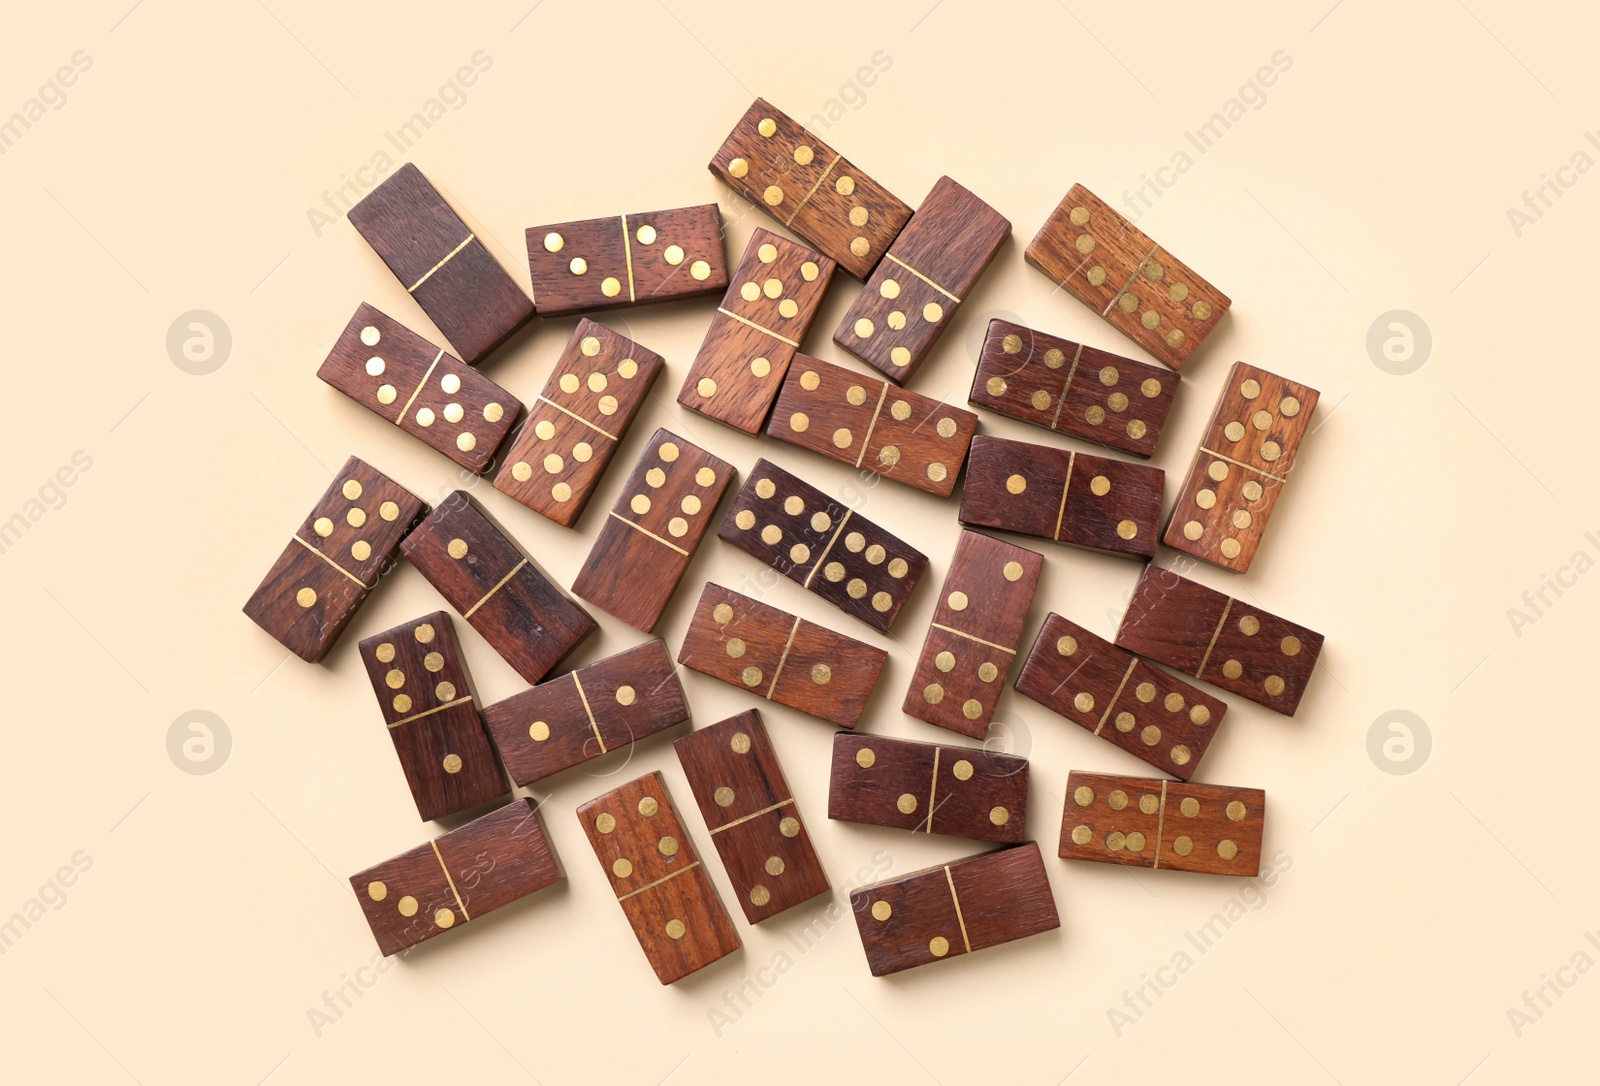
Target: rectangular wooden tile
x=915 y=292
x=953 y=909
x=1226 y=642
x=422 y=686
x=734 y=773
x=777 y=656
x=457 y=877
x=577 y=717
x=483 y=574
x=861 y=421
x=822 y=546
x=334 y=559
x=621 y=260
x=659 y=881
x=762 y=321
x=1205 y=828
x=1113 y=694
x=973 y=638
x=1244 y=461
x=436 y=398
x=1111 y=266
x=784 y=170
x=1072 y=388
x=928 y=788
x=1071 y=497
x=647 y=542
x=441 y=263
x=594 y=392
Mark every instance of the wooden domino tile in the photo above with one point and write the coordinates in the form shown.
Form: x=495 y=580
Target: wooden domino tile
x=1224 y=641
x=594 y=392
x=1205 y=828
x=973 y=638
x=659 y=881
x=456 y=878
x=915 y=292
x=782 y=658
x=860 y=421
x=1113 y=694
x=1243 y=462
x=441 y=263
x=577 y=717
x=1072 y=388
x=809 y=187
x=333 y=560
x=1071 y=497
x=929 y=788
x=484 y=575
x=646 y=543
x=953 y=909
x=436 y=398
x=422 y=686
x=822 y=546
x=762 y=321
x=1108 y=264
x=653 y=256
x=751 y=813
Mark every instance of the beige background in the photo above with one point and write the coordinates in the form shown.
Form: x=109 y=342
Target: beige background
x=1376 y=176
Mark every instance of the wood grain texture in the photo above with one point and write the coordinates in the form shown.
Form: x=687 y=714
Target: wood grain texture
x=809 y=187
x=646 y=543
x=754 y=821
x=1111 y=266
x=659 y=881
x=436 y=398
x=762 y=321
x=335 y=557
x=860 y=421
x=1244 y=460
x=782 y=658
x=914 y=293
x=442 y=263
x=1073 y=389
x=593 y=395
x=1224 y=641
x=464 y=874
x=1204 y=828
x=1070 y=497
x=943 y=912
x=1113 y=694
x=622 y=260
x=929 y=788
x=422 y=686
x=577 y=717
x=973 y=638
x=483 y=574
x=822 y=546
